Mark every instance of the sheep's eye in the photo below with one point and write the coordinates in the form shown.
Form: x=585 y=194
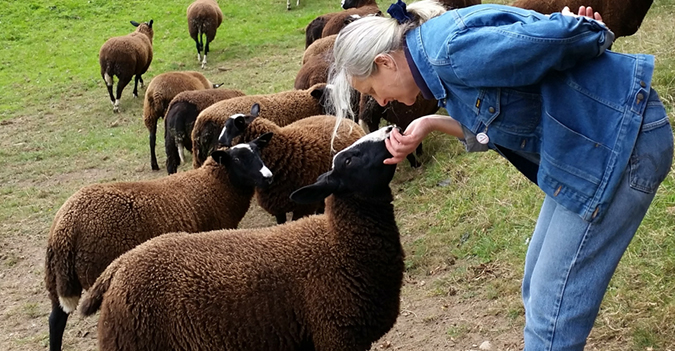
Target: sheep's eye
x=236 y=159
x=348 y=161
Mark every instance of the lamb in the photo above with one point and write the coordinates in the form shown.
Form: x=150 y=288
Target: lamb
x=622 y=17
x=125 y=57
x=204 y=18
x=396 y=113
x=102 y=221
x=281 y=108
x=180 y=119
x=298 y=153
x=326 y=282
x=161 y=90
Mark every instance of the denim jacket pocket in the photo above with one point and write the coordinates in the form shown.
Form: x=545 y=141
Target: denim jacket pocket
x=652 y=155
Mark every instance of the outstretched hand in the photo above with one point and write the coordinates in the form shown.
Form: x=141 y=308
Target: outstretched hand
x=583 y=11
x=400 y=145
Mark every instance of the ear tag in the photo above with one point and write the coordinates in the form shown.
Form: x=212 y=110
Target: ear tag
x=482 y=138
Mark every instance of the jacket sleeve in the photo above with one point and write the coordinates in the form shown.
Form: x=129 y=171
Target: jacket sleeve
x=521 y=50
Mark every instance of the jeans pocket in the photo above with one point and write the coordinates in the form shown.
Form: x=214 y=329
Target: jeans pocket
x=652 y=156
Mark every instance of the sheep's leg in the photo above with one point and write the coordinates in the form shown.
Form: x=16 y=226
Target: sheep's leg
x=57 y=325
x=153 y=140
x=288 y=5
x=136 y=80
x=181 y=152
x=297 y=3
x=140 y=79
x=173 y=157
x=109 y=84
x=121 y=84
x=413 y=161
x=281 y=218
x=206 y=50
x=419 y=151
x=199 y=48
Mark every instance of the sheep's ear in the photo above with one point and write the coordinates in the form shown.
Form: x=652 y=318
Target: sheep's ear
x=318 y=92
x=221 y=157
x=150 y=23
x=135 y=24
x=255 y=110
x=316 y=192
x=263 y=140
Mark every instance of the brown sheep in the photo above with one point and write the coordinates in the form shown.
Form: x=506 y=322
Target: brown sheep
x=180 y=119
x=335 y=21
x=125 y=57
x=204 y=18
x=282 y=108
x=328 y=282
x=102 y=221
x=297 y=155
x=161 y=90
x=622 y=17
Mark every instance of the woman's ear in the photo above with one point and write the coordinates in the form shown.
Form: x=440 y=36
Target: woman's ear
x=385 y=61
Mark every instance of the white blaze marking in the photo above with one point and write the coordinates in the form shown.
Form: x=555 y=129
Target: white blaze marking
x=222 y=133
x=376 y=136
x=243 y=146
x=266 y=172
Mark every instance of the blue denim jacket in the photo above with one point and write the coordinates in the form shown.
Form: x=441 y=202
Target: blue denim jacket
x=542 y=85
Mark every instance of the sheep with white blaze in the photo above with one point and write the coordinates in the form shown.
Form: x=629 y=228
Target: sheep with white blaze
x=125 y=57
x=325 y=282
x=297 y=155
x=102 y=221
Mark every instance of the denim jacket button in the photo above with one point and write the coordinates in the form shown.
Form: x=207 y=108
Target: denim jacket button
x=640 y=96
x=643 y=84
x=491 y=109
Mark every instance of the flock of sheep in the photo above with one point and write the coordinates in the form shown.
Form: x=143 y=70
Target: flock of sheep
x=329 y=281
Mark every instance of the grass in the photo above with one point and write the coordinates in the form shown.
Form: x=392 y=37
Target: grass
x=471 y=214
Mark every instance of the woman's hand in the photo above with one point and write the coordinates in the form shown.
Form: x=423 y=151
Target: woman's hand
x=401 y=145
x=585 y=12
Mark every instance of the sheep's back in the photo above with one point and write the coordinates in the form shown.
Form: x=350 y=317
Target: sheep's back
x=129 y=54
x=337 y=22
x=204 y=14
x=164 y=87
x=187 y=270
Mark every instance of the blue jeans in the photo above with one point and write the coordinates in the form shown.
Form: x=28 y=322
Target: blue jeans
x=570 y=261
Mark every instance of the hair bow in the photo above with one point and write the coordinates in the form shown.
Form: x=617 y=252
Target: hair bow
x=399 y=12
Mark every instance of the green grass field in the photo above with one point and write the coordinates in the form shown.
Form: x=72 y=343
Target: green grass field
x=464 y=218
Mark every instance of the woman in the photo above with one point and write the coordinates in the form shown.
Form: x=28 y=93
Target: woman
x=581 y=122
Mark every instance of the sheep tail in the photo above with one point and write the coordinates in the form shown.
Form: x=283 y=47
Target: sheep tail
x=92 y=301
x=60 y=275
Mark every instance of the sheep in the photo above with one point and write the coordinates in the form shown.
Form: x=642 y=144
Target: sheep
x=180 y=118
x=298 y=153
x=204 y=18
x=161 y=90
x=288 y=4
x=325 y=282
x=315 y=69
x=125 y=57
x=320 y=47
x=102 y=221
x=282 y=108
x=622 y=17
x=395 y=113
x=335 y=21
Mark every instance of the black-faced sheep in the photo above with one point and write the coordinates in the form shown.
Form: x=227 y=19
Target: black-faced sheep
x=161 y=90
x=622 y=17
x=298 y=153
x=327 y=282
x=125 y=57
x=180 y=119
x=396 y=113
x=204 y=18
x=281 y=108
x=102 y=221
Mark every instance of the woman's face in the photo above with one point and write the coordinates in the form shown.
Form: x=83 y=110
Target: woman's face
x=392 y=81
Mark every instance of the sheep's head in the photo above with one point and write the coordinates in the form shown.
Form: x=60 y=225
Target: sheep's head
x=236 y=125
x=244 y=165
x=358 y=169
x=145 y=28
x=348 y=4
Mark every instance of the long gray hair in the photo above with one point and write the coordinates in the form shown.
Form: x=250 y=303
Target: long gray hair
x=357 y=45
